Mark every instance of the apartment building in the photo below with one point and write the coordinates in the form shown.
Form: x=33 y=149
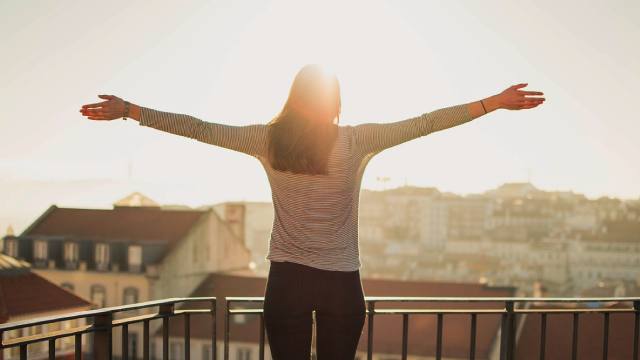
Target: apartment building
x=26 y=295
x=136 y=251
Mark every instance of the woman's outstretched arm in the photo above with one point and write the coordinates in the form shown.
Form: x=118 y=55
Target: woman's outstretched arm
x=248 y=139
x=371 y=138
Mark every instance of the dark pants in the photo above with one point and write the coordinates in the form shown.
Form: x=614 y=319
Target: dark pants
x=293 y=291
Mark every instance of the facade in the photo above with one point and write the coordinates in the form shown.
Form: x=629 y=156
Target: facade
x=135 y=252
x=251 y=221
x=515 y=235
x=26 y=295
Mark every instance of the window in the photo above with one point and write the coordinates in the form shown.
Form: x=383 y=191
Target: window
x=70 y=252
x=14 y=352
x=98 y=295
x=36 y=348
x=135 y=257
x=133 y=346
x=152 y=351
x=206 y=352
x=40 y=250
x=102 y=256
x=175 y=349
x=130 y=296
x=11 y=247
x=239 y=318
x=51 y=327
x=67 y=285
x=67 y=342
x=244 y=353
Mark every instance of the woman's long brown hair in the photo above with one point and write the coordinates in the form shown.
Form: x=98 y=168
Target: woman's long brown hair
x=302 y=135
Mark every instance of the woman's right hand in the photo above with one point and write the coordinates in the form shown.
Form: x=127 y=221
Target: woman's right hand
x=111 y=109
x=514 y=99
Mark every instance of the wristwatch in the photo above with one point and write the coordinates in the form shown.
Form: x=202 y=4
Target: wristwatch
x=126 y=110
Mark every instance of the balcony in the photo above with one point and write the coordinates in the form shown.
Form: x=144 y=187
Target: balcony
x=97 y=326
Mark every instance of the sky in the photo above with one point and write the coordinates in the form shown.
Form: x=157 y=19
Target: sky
x=233 y=62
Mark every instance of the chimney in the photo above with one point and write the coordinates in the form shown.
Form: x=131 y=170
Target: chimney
x=539 y=290
x=234 y=215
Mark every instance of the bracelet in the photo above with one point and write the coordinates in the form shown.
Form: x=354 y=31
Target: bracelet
x=485 y=110
x=126 y=110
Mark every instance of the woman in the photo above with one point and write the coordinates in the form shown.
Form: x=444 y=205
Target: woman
x=314 y=167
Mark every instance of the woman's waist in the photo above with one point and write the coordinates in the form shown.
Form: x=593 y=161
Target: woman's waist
x=295 y=266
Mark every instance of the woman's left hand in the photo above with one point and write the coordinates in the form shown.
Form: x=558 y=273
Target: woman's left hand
x=514 y=99
x=111 y=109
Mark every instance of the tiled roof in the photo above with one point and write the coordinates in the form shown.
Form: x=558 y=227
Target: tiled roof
x=25 y=292
x=119 y=223
x=388 y=328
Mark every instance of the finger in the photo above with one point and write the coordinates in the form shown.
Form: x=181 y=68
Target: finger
x=532 y=99
x=94 y=104
x=94 y=111
x=530 y=92
x=529 y=106
x=97 y=118
x=529 y=100
x=518 y=86
x=110 y=97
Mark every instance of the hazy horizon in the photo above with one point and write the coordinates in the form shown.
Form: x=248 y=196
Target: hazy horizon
x=233 y=63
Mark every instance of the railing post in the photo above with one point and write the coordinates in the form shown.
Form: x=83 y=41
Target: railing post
x=405 y=335
x=439 y=336
x=102 y=336
x=512 y=333
x=166 y=310
x=574 y=337
x=543 y=335
x=52 y=349
x=145 y=340
x=262 y=330
x=214 y=345
x=507 y=332
x=636 y=330
x=472 y=337
x=187 y=336
x=125 y=342
x=226 y=329
x=78 y=346
x=371 y=305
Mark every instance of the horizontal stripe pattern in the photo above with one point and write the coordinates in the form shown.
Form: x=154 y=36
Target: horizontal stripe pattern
x=315 y=216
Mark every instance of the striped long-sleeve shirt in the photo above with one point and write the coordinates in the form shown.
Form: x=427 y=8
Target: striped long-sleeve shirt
x=315 y=216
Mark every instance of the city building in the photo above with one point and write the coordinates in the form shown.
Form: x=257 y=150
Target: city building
x=134 y=252
x=26 y=295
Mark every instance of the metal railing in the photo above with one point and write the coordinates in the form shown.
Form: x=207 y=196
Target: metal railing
x=103 y=321
x=508 y=321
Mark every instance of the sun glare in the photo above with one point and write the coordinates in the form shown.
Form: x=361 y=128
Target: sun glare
x=356 y=48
